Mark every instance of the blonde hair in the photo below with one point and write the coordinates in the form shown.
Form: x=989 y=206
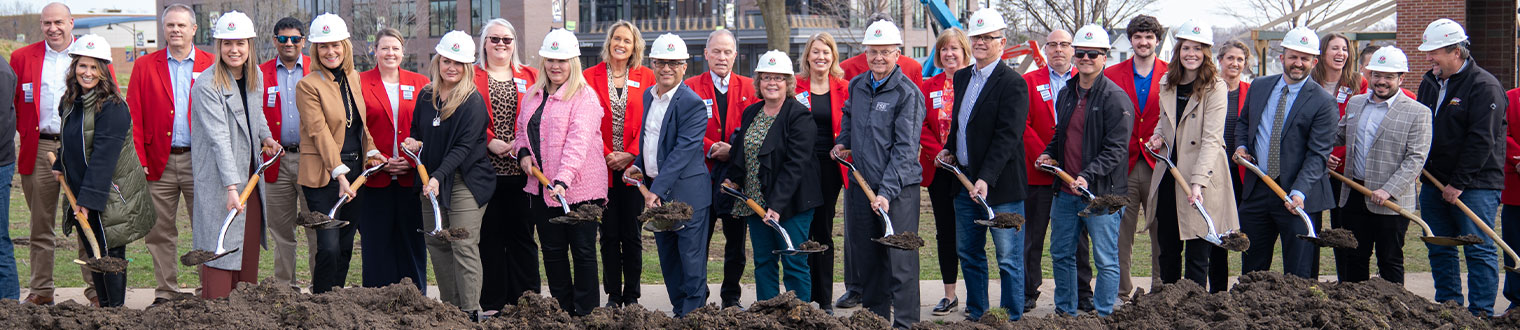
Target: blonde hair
x=484 y=61
x=348 y=54
x=827 y=39
x=958 y=37
x=576 y=81
x=222 y=73
x=637 y=55
x=457 y=95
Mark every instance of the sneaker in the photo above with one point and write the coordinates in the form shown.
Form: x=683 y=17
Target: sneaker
x=945 y=306
x=848 y=300
x=1029 y=305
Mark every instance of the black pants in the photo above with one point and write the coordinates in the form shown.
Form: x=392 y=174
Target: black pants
x=110 y=288
x=1383 y=234
x=622 y=252
x=942 y=200
x=508 y=254
x=576 y=292
x=733 y=251
x=1219 y=258
x=335 y=247
x=1265 y=221
x=392 y=248
x=1178 y=258
x=822 y=230
x=1037 y=223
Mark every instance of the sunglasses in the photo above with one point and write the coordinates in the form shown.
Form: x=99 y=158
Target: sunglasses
x=288 y=39
x=1090 y=54
x=499 y=40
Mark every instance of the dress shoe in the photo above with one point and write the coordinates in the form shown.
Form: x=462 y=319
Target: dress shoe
x=95 y=301
x=1086 y=305
x=945 y=306
x=1029 y=305
x=35 y=299
x=848 y=300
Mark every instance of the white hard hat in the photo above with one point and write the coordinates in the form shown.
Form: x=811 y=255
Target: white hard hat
x=882 y=33
x=233 y=25
x=560 y=44
x=985 y=20
x=456 y=45
x=93 y=46
x=1301 y=39
x=328 y=28
x=1389 y=59
x=775 y=61
x=1091 y=36
x=1195 y=31
x=1441 y=33
x=668 y=47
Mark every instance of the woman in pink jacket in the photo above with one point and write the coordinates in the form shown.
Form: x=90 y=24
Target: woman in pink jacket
x=559 y=133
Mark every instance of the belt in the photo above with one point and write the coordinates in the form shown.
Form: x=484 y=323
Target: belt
x=178 y=150
x=295 y=149
x=349 y=156
x=45 y=136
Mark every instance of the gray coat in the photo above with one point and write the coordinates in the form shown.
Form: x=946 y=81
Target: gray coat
x=881 y=127
x=225 y=147
x=1398 y=154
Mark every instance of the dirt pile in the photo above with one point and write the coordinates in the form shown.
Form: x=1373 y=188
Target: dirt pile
x=782 y=312
x=197 y=257
x=667 y=216
x=1104 y=205
x=452 y=234
x=1336 y=238
x=1003 y=221
x=106 y=264
x=905 y=241
x=583 y=213
x=1235 y=242
x=812 y=246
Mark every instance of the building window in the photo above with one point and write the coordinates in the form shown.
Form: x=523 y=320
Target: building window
x=441 y=15
x=325 y=6
x=482 y=11
x=202 y=36
x=920 y=51
x=403 y=17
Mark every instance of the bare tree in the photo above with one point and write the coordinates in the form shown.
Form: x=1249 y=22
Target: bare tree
x=1266 y=11
x=1073 y=14
x=777 y=25
x=19 y=8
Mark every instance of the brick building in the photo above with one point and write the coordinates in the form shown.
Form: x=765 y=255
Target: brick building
x=1490 y=24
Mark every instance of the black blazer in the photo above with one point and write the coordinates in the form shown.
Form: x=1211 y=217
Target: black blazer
x=683 y=172
x=90 y=174
x=456 y=145
x=1105 y=134
x=1308 y=133
x=786 y=159
x=1468 y=135
x=995 y=132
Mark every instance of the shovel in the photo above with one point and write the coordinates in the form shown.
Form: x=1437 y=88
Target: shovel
x=1342 y=238
x=1235 y=239
x=667 y=213
x=994 y=220
x=905 y=241
x=312 y=219
x=1430 y=237
x=1479 y=222
x=1105 y=204
x=584 y=213
x=197 y=257
x=438 y=231
x=104 y=265
x=731 y=190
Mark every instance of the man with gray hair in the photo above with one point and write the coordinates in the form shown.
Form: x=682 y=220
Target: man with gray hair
x=725 y=94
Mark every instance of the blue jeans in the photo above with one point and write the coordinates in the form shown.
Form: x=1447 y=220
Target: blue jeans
x=1482 y=259
x=764 y=239
x=1511 y=233
x=10 y=284
x=971 y=247
x=1103 y=229
x=683 y=262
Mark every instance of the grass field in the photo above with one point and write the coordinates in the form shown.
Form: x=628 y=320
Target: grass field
x=140 y=272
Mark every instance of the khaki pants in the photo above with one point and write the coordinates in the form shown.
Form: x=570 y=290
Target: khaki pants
x=285 y=202
x=163 y=240
x=456 y=264
x=1139 y=189
x=41 y=192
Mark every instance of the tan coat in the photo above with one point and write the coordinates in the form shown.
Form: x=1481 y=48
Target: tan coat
x=1200 y=158
x=322 y=125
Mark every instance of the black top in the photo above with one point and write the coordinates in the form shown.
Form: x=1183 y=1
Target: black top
x=89 y=175
x=1231 y=115
x=721 y=100
x=534 y=123
x=7 y=113
x=1184 y=91
x=1467 y=136
x=456 y=146
x=784 y=159
x=823 y=120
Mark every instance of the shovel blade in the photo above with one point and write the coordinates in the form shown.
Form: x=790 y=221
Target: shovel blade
x=1444 y=241
x=656 y=229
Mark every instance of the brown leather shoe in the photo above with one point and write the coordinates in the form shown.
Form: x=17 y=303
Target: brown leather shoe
x=35 y=299
x=95 y=301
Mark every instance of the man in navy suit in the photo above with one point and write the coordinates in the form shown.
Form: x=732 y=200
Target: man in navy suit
x=675 y=121
x=1286 y=128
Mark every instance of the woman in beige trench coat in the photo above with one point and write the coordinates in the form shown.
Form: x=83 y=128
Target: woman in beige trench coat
x=1189 y=131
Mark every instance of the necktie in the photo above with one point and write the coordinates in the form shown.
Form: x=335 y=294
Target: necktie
x=1274 y=149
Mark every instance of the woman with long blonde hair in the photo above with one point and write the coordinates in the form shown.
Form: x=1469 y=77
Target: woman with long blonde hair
x=619 y=82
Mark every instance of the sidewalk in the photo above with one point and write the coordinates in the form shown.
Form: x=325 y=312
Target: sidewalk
x=931 y=291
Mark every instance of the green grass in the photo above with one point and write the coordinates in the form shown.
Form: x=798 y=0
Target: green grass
x=140 y=272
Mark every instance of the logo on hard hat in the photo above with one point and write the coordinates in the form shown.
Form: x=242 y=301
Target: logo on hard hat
x=1382 y=59
x=91 y=45
x=979 y=22
x=773 y=61
x=326 y=29
x=670 y=47
x=1088 y=36
x=231 y=26
x=878 y=33
x=456 y=47
x=1196 y=30
x=1303 y=40
x=554 y=46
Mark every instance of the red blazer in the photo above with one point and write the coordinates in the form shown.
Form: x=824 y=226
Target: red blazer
x=839 y=91
x=1123 y=74
x=1342 y=96
x=523 y=76
x=1511 y=194
x=1240 y=106
x=272 y=113
x=150 y=95
x=857 y=65
x=27 y=62
x=640 y=78
x=377 y=108
x=1041 y=123
x=939 y=101
x=741 y=94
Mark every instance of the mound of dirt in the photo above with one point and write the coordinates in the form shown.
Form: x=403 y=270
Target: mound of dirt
x=1470 y=239
x=106 y=264
x=1235 y=242
x=905 y=241
x=451 y=234
x=667 y=216
x=585 y=212
x=812 y=246
x=1337 y=238
x=197 y=257
x=1003 y=221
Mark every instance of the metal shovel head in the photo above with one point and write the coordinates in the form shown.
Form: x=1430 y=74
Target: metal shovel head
x=1449 y=241
x=651 y=227
x=313 y=219
x=1334 y=238
x=451 y=234
x=903 y=241
x=198 y=257
x=110 y=265
x=1003 y=221
x=581 y=214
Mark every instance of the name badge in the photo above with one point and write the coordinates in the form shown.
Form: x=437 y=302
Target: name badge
x=406 y=92
x=522 y=85
x=803 y=97
x=633 y=84
x=937 y=97
x=1045 y=92
x=1341 y=97
x=27 y=89
x=274 y=93
x=707 y=102
x=196 y=75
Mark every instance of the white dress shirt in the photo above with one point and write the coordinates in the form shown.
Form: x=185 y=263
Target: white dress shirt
x=653 y=118
x=55 y=69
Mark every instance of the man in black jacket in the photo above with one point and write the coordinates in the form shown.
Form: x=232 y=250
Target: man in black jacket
x=986 y=138
x=1091 y=141
x=9 y=283
x=1466 y=154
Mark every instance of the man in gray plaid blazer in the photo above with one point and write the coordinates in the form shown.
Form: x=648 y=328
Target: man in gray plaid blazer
x=1387 y=137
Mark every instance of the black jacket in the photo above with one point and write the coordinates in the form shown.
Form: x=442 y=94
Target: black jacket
x=90 y=174
x=995 y=132
x=786 y=159
x=7 y=113
x=456 y=146
x=1467 y=137
x=1109 y=120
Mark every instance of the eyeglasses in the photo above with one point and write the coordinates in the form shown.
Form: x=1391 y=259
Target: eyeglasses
x=500 y=40
x=876 y=53
x=1057 y=44
x=1378 y=75
x=773 y=78
x=666 y=63
x=288 y=39
x=985 y=38
x=1091 y=54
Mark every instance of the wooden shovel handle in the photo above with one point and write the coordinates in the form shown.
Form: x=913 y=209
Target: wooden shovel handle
x=1365 y=191
x=964 y=180
x=1272 y=184
x=870 y=195
x=80 y=218
x=1474 y=217
x=540 y=175
x=422 y=170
